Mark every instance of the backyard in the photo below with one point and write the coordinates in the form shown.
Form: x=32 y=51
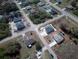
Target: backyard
x=67 y=50
x=69 y=27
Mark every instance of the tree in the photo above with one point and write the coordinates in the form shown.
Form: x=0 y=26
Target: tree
x=9 y=7
x=39 y=17
x=13 y=50
x=4 y=28
x=38 y=46
x=2 y=55
x=34 y=1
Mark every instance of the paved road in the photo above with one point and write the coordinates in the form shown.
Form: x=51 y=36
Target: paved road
x=63 y=11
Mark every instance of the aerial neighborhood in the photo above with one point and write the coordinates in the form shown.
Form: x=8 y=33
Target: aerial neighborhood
x=39 y=29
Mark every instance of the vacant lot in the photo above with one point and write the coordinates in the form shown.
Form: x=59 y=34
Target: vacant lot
x=67 y=51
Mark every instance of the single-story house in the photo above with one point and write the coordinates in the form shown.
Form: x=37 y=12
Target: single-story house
x=20 y=25
x=58 y=38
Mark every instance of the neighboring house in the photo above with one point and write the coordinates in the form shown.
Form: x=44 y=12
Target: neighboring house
x=49 y=29
x=16 y=20
x=20 y=25
x=46 y=7
x=28 y=8
x=1 y=16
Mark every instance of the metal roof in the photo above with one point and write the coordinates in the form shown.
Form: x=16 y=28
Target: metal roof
x=20 y=25
x=49 y=29
x=16 y=19
x=58 y=38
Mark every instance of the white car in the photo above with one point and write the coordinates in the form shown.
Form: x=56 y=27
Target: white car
x=39 y=54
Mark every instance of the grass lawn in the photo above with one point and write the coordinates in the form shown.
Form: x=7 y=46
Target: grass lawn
x=64 y=3
x=73 y=12
x=24 y=52
x=67 y=51
x=8 y=48
x=53 y=1
x=47 y=55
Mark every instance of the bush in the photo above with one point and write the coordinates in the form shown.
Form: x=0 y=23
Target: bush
x=39 y=17
x=34 y=1
x=10 y=7
x=38 y=46
x=4 y=28
x=12 y=51
x=72 y=31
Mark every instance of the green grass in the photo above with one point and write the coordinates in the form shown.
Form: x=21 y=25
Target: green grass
x=53 y=1
x=67 y=50
x=47 y=55
x=39 y=17
x=64 y=3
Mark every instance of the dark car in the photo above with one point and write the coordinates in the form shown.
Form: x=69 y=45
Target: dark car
x=53 y=12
